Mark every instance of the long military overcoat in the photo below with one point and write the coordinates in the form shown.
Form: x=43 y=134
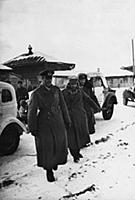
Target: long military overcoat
x=92 y=108
x=78 y=134
x=47 y=116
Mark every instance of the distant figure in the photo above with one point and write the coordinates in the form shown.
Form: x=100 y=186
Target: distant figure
x=22 y=112
x=47 y=118
x=132 y=90
x=21 y=93
x=118 y=85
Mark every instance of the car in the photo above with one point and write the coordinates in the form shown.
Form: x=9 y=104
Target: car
x=10 y=127
x=105 y=95
x=128 y=95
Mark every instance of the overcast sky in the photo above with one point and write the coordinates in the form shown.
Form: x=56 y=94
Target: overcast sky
x=90 y=33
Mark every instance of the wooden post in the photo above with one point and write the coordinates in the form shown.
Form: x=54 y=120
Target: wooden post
x=133 y=59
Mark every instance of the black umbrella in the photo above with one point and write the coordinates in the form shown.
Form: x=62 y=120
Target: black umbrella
x=32 y=63
x=5 y=68
x=4 y=72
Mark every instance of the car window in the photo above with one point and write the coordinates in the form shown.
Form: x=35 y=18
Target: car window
x=6 y=96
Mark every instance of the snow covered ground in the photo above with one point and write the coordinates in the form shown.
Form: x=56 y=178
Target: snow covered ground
x=106 y=172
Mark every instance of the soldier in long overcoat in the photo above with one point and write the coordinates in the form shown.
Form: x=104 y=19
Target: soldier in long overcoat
x=78 y=133
x=90 y=110
x=47 y=118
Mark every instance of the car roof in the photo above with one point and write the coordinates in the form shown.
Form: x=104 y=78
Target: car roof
x=5 y=84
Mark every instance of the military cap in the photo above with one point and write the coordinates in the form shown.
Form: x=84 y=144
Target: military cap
x=82 y=76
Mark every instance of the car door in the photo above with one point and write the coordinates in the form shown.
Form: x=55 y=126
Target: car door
x=98 y=89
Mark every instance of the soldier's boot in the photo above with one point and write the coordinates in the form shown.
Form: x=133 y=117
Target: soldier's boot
x=50 y=175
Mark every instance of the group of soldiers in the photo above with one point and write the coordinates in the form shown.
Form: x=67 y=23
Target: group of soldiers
x=61 y=120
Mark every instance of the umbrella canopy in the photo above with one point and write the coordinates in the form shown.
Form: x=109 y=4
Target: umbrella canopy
x=128 y=68
x=4 y=73
x=4 y=68
x=30 y=62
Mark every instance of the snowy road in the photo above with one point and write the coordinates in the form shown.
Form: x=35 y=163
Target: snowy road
x=106 y=172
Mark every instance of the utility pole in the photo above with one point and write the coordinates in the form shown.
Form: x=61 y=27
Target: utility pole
x=133 y=59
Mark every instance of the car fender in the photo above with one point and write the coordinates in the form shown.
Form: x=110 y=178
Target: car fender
x=110 y=98
x=12 y=121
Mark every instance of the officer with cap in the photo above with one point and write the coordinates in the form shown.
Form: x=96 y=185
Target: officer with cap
x=47 y=77
x=47 y=118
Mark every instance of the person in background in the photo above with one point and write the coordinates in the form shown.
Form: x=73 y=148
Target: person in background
x=21 y=93
x=78 y=133
x=87 y=87
x=22 y=112
x=47 y=118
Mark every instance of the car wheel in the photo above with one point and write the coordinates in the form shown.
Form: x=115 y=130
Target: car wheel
x=107 y=113
x=9 y=141
x=125 y=101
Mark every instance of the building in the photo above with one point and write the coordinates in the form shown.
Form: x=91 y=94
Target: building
x=120 y=80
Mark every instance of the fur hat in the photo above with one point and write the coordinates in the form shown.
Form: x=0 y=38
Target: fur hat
x=82 y=76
